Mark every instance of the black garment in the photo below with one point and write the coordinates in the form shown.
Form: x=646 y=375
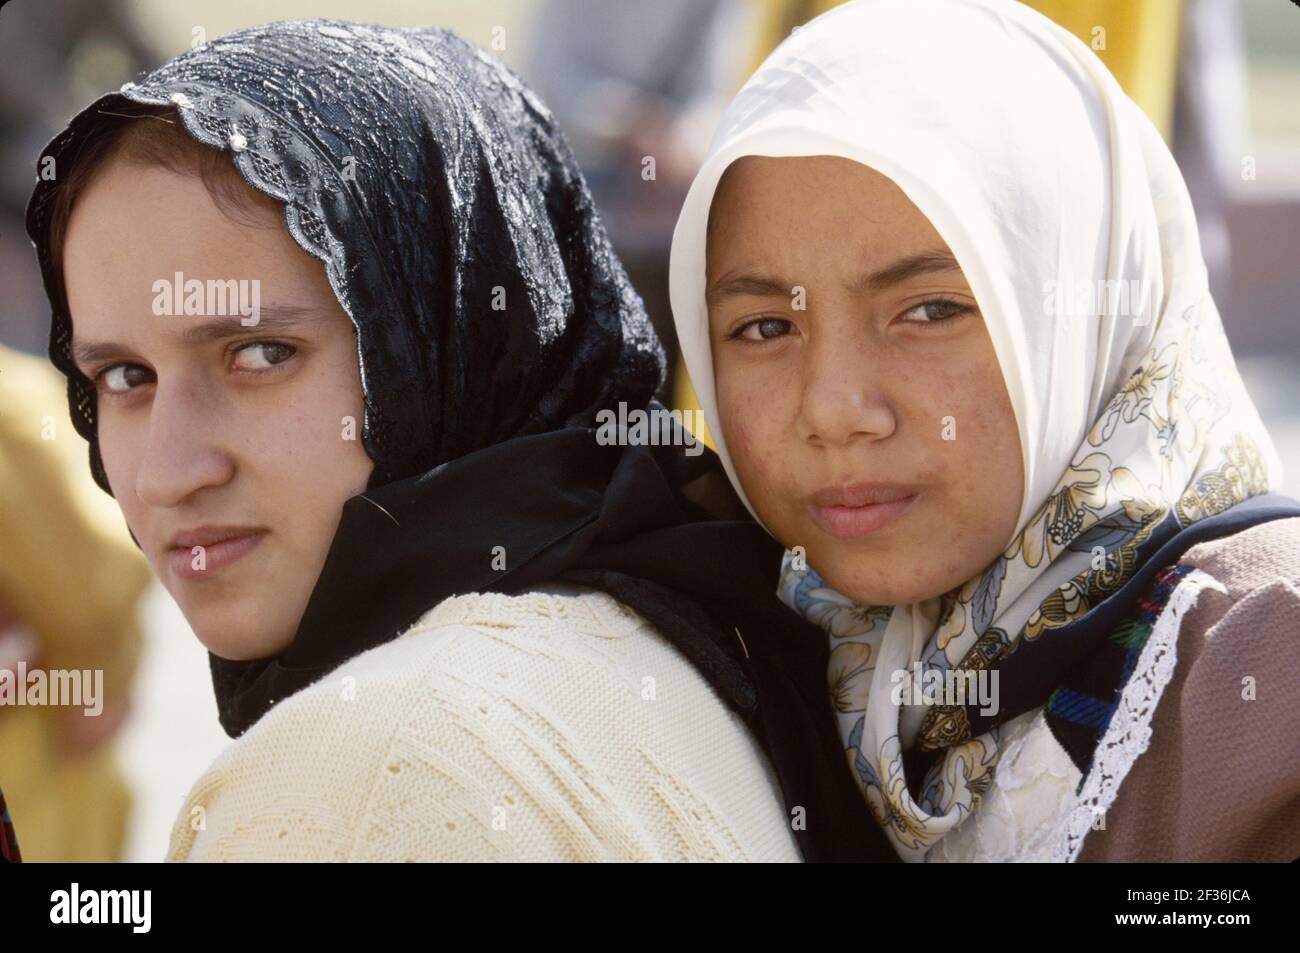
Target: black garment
x=562 y=507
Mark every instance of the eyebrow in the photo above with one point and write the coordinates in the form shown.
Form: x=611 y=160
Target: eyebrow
x=904 y=269
x=272 y=319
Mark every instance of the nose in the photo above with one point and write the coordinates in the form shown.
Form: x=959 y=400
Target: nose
x=182 y=454
x=842 y=399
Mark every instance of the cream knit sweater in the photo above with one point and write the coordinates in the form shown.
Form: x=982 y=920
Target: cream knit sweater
x=551 y=726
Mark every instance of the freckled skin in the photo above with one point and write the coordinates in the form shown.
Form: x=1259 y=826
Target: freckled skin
x=204 y=434
x=855 y=387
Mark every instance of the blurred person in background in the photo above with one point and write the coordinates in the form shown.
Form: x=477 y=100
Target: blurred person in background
x=52 y=57
x=70 y=583
x=637 y=87
x=1209 y=129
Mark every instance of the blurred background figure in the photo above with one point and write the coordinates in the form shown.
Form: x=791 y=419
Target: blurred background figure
x=54 y=58
x=1210 y=132
x=637 y=88
x=628 y=82
x=70 y=581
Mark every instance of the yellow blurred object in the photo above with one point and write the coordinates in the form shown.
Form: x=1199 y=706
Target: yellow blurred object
x=72 y=576
x=63 y=809
x=1136 y=39
x=684 y=399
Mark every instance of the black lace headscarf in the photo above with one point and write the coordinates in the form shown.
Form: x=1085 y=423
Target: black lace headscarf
x=435 y=188
x=432 y=183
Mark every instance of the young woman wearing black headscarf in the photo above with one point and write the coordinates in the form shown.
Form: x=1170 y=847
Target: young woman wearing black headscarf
x=378 y=492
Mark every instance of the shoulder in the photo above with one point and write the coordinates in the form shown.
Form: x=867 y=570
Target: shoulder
x=1217 y=781
x=1258 y=557
x=1244 y=621
x=1247 y=594
x=548 y=726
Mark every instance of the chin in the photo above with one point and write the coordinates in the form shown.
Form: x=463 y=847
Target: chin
x=882 y=597
x=235 y=640
x=866 y=587
x=222 y=648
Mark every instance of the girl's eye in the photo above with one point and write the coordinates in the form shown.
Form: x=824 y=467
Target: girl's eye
x=761 y=329
x=118 y=379
x=936 y=311
x=278 y=354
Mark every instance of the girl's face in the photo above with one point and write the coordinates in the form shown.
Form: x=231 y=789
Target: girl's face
x=853 y=368
x=204 y=421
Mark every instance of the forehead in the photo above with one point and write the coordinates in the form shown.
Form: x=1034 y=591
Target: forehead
x=135 y=226
x=758 y=177
x=785 y=205
x=132 y=216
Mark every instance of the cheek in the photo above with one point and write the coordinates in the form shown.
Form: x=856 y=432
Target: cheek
x=122 y=440
x=304 y=467
x=315 y=434
x=754 y=426
x=977 y=448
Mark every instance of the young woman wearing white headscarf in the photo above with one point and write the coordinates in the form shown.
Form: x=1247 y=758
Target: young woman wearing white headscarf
x=939 y=288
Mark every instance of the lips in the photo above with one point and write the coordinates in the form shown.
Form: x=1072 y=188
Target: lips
x=208 y=535
x=220 y=547
x=862 y=494
x=857 y=510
